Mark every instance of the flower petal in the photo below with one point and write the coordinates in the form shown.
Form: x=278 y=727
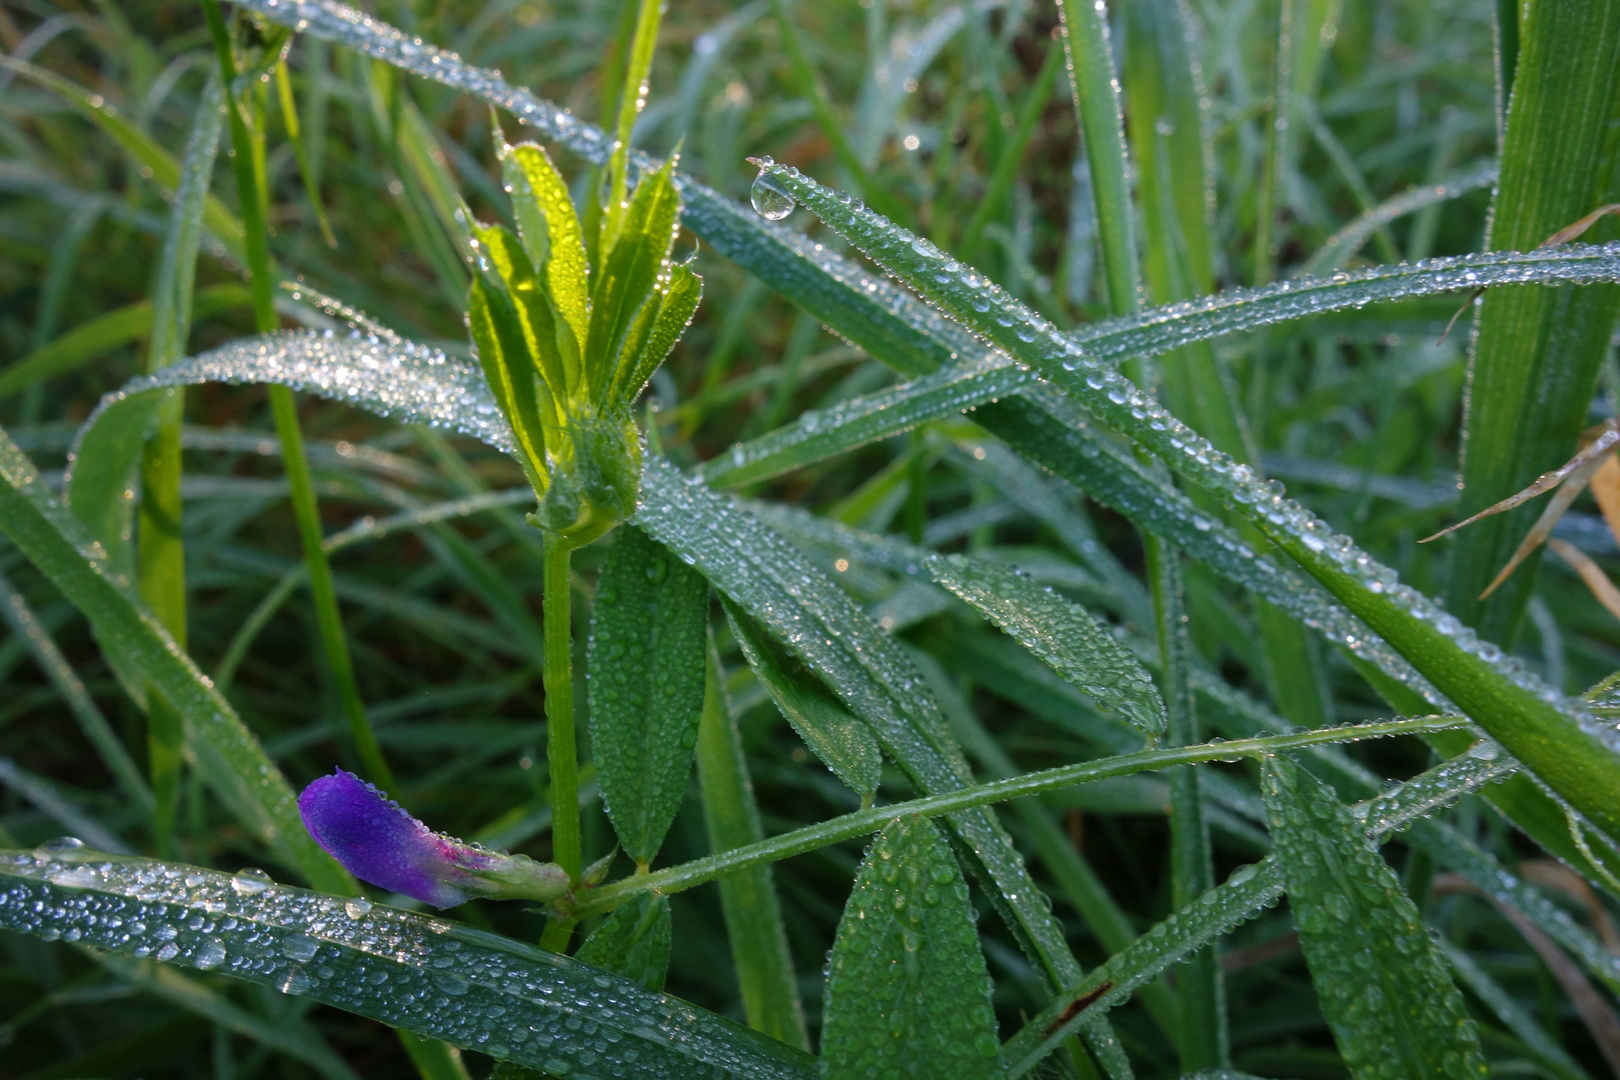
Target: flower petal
x=378 y=842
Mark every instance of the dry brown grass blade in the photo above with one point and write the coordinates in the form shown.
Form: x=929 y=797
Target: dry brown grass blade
x=1606 y=489
x=1588 y=457
x=1562 y=236
x=1591 y=573
x=1551 y=874
x=1589 y=1003
x=1570 y=232
x=1572 y=486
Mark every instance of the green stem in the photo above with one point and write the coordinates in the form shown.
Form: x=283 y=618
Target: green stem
x=249 y=163
x=864 y=822
x=558 y=676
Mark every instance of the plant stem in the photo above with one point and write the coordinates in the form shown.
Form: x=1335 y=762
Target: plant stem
x=558 y=677
x=864 y=822
x=250 y=187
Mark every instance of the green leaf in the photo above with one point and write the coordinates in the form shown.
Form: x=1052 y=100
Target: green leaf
x=551 y=233
x=658 y=328
x=437 y=978
x=1382 y=984
x=842 y=742
x=231 y=758
x=759 y=945
x=498 y=334
x=628 y=275
x=1063 y=634
x=1538 y=351
x=646 y=685
x=907 y=991
x=633 y=941
x=534 y=311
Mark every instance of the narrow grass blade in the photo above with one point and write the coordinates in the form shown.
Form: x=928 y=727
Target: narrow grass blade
x=470 y=988
x=646 y=686
x=1402 y=1016
x=1342 y=246
x=1537 y=351
x=1064 y=635
x=842 y=742
x=907 y=990
x=759 y=945
x=1552 y=1057
x=1199 y=989
x=232 y=759
x=1096 y=104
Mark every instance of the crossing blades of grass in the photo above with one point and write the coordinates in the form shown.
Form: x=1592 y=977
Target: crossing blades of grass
x=231 y=758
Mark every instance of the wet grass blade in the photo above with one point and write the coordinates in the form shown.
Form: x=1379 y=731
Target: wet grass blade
x=1537 y=351
x=386 y=964
x=1554 y=737
x=753 y=912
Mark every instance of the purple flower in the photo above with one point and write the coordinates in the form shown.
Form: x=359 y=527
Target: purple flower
x=378 y=842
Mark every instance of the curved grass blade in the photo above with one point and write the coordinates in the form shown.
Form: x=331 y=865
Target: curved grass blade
x=1064 y=635
x=231 y=758
x=842 y=742
x=1343 y=245
x=648 y=628
x=1400 y=1016
x=907 y=990
x=437 y=978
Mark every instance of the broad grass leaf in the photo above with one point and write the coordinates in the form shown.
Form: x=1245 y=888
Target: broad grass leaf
x=470 y=988
x=908 y=995
x=1383 y=986
x=843 y=743
x=633 y=941
x=648 y=632
x=1067 y=637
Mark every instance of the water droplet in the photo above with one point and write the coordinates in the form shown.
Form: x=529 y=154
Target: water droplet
x=210 y=954
x=770 y=202
x=250 y=881
x=357 y=907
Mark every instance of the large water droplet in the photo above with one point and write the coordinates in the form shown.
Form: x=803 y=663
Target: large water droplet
x=770 y=202
x=250 y=881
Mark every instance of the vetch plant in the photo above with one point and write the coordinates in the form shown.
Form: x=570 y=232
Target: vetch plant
x=1044 y=519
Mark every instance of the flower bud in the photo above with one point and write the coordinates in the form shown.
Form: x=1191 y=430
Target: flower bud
x=379 y=843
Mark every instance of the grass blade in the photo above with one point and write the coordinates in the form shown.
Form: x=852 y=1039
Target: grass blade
x=386 y=964
x=233 y=761
x=759 y=945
